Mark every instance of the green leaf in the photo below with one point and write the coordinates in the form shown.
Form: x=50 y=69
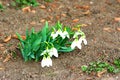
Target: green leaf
x=111 y=69
x=44 y=32
x=19 y=37
x=21 y=40
x=84 y=68
x=18 y=1
x=116 y=70
x=27 y=34
x=58 y=25
x=32 y=56
x=36 y=44
x=37 y=56
x=65 y=49
x=117 y=62
x=13 y=3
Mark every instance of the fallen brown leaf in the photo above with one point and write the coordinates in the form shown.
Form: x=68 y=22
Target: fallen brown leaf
x=7 y=39
x=33 y=11
x=75 y=29
x=99 y=74
x=49 y=21
x=16 y=37
x=84 y=25
x=50 y=17
x=42 y=6
x=7 y=58
x=57 y=17
x=1 y=45
x=1 y=57
x=72 y=67
x=23 y=37
x=1 y=68
x=2 y=48
x=118 y=29
x=87 y=12
x=33 y=23
x=64 y=15
x=54 y=5
x=118 y=1
x=89 y=78
x=108 y=2
x=117 y=19
x=75 y=20
x=83 y=7
x=26 y=9
x=107 y=29
x=42 y=20
x=50 y=10
x=0 y=34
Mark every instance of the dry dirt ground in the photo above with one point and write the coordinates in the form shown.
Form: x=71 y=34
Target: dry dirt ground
x=102 y=31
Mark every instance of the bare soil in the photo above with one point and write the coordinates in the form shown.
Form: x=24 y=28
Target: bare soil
x=102 y=34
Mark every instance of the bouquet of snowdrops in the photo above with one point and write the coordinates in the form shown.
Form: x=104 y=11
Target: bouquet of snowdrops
x=49 y=42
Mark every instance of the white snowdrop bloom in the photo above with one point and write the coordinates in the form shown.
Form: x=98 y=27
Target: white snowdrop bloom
x=62 y=34
x=46 y=62
x=59 y=32
x=54 y=35
x=53 y=51
x=76 y=43
x=76 y=34
x=43 y=62
x=84 y=40
x=44 y=52
x=65 y=34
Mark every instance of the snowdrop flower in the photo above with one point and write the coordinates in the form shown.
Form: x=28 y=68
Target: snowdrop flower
x=46 y=62
x=45 y=52
x=76 y=43
x=65 y=34
x=76 y=34
x=79 y=33
x=53 y=51
x=59 y=32
x=54 y=35
x=83 y=39
x=62 y=34
x=50 y=52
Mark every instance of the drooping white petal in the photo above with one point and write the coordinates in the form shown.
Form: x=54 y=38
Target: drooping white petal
x=49 y=62
x=80 y=41
x=43 y=62
x=54 y=35
x=65 y=33
x=79 y=45
x=46 y=62
x=74 y=44
x=62 y=34
x=76 y=34
x=53 y=51
x=84 y=40
x=59 y=32
x=45 y=52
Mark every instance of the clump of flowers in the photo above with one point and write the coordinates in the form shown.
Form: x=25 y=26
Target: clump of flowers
x=49 y=42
